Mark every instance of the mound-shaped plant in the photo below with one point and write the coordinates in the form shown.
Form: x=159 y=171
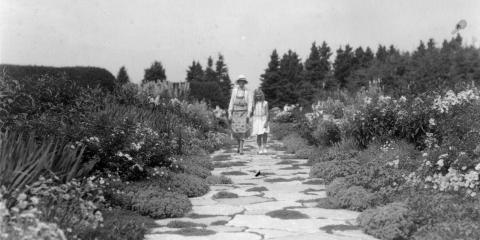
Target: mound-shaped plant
x=333 y=169
x=305 y=152
x=327 y=133
x=190 y=185
x=449 y=230
x=390 y=222
x=159 y=203
x=294 y=142
x=357 y=198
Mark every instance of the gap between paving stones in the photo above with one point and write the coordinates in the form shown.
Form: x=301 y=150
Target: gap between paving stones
x=245 y=217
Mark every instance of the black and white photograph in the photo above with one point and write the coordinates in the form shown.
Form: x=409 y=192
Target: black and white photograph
x=239 y=120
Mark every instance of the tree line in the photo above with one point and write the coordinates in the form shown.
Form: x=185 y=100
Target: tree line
x=429 y=68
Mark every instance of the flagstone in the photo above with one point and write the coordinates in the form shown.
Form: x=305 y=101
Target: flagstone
x=217 y=209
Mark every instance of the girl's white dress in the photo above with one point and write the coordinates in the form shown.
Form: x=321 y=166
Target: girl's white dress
x=259 y=118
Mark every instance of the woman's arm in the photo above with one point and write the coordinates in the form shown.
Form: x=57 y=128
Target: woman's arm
x=230 y=105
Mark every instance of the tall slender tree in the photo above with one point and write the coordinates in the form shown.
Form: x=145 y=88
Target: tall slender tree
x=223 y=77
x=343 y=65
x=122 y=76
x=270 y=81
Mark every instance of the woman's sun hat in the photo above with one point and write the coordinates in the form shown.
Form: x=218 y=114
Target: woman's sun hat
x=242 y=77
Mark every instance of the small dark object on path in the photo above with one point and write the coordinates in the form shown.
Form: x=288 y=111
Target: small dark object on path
x=258 y=174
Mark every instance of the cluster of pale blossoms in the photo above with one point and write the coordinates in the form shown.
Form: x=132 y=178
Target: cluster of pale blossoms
x=22 y=222
x=455 y=180
x=444 y=103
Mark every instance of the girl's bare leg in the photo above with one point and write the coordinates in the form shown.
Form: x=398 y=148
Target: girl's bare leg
x=264 y=140
x=259 y=142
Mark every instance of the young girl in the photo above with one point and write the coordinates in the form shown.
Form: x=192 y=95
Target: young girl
x=260 y=120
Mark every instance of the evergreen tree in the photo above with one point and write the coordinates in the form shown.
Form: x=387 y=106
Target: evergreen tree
x=325 y=66
x=195 y=72
x=210 y=74
x=290 y=72
x=381 y=54
x=122 y=76
x=155 y=73
x=223 y=77
x=270 y=84
x=343 y=65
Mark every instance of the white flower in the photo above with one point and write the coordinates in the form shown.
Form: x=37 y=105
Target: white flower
x=432 y=122
x=425 y=154
x=402 y=99
x=440 y=163
x=477 y=167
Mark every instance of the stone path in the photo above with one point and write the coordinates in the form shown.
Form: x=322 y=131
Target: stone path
x=279 y=204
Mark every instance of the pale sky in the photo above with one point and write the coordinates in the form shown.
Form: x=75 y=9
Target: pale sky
x=112 y=33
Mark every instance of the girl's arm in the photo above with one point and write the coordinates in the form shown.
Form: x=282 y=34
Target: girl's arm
x=266 y=110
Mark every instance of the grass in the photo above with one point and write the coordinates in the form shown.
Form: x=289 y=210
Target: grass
x=184 y=224
x=197 y=216
x=293 y=167
x=219 y=223
x=315 y=182
x=234 y=173
x=273 y=180
x=224 y=194
x=229 y=164
x=327 y=204
x=257 y=189
x=286 y=162
x=221 y=157
x=338 y=227
x=123 y=215
x=214 y=180
x=192 y=232
x=287 y=214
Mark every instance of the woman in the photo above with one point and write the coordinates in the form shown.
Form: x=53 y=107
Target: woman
x=239 y=111
x=260 y=126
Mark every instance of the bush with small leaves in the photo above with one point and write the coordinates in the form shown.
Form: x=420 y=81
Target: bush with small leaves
x=333 y=169
x=281 y=130
x=390 y=222
x=190 y=185
x=305 y=152
x=465 y=230
x=327 y=133
x=294 y=142
x=355 y=198
x=160 y=204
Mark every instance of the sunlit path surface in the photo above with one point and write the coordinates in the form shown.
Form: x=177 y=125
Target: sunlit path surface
x=278 y=204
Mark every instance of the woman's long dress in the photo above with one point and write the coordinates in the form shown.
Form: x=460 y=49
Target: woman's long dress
x=240 y=115
x=260 y=118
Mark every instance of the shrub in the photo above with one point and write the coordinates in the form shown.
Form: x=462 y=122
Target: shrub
x=343 y=150
x=294 y=142
x=160 y=204
x=429 y=207
x=355 y=198
x=280 y=130
x=85 y=76
x=305 y=152
x=335 y=188
x=327 y=133
x=391 y=222
x=466 y=230
x=333 y=169
x=187 y=184
x=121 y=225
x=214 y=180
